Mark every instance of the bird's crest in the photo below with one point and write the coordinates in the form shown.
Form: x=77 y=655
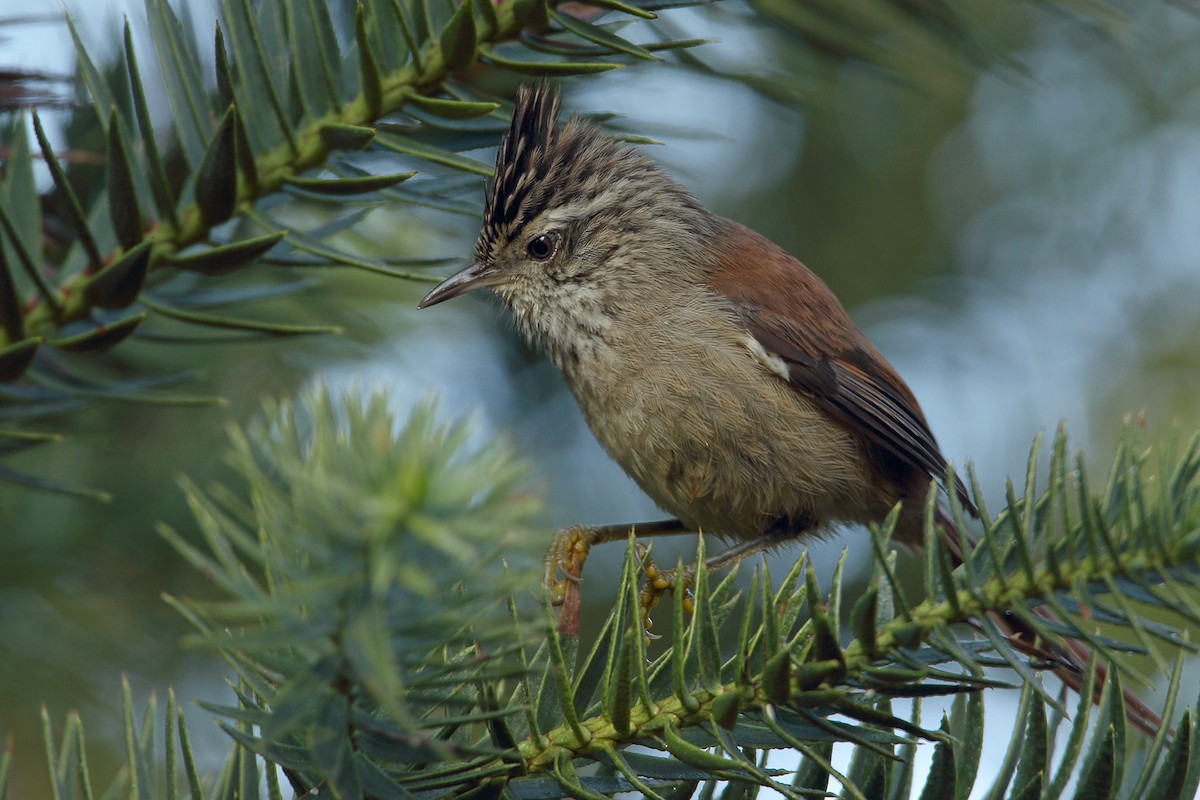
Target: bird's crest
x=540 y=163
x=521 y=165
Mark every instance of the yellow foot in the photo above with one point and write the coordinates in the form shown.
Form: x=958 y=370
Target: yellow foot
x=659 y=582
x=564 y=560
x=564 y=565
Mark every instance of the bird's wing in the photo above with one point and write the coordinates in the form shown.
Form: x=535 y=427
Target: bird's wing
x=857 y=387
x=826 y=357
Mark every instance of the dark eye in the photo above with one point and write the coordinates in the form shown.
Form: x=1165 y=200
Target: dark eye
x=542 y=247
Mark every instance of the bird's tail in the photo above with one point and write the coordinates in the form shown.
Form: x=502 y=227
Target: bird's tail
x=1070 y=657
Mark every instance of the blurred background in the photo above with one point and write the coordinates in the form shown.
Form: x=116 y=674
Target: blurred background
x=1013 y=220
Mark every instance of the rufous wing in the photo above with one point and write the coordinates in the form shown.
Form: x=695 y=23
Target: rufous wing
x=796 y=319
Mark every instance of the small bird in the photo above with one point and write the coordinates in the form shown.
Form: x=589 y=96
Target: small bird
x=722 y=375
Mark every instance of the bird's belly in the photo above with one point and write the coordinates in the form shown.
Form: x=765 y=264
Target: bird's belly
x=732 y=458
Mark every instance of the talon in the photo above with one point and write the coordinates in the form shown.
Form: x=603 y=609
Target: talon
x=564 y=559
x=564 y=567
x=658 y=583
x=651 y=594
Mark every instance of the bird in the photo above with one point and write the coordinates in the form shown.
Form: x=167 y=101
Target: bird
x=716 y=369
x=720 y=373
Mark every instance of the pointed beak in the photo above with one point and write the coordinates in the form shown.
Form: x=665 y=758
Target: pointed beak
x=473 y=277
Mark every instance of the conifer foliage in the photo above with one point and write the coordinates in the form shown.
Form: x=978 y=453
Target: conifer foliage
x=377 y=578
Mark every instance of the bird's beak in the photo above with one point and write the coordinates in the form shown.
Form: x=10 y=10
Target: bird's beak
x=472 y=277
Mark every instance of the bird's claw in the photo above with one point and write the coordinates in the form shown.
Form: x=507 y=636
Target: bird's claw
x=564 y=561
x=658 y=583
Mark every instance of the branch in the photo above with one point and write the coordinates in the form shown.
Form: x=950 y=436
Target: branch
x=507 y=700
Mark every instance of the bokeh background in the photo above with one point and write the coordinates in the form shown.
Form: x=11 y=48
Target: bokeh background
x=1015 y=224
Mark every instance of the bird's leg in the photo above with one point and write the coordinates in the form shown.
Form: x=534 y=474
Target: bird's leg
x=658 y=582
x=569 y=549
x=564 y=561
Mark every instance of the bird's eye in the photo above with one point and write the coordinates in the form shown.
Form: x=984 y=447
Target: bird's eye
x=542 y=247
